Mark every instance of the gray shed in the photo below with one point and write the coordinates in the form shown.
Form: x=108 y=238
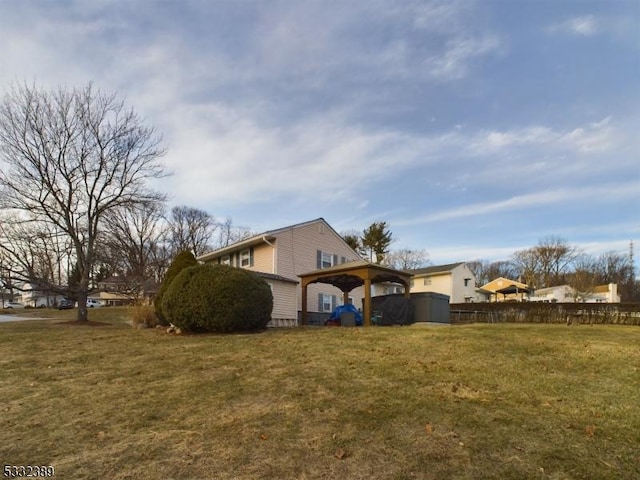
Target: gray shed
x=430 y=307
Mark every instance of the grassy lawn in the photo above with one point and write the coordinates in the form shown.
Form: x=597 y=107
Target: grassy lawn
x=464 y=402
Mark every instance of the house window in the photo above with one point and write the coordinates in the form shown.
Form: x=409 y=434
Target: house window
x=325 y=259
x=427 y=281
x=393 y=289
x=246 y=258
x=226 y=260
x=326 y=303
x=466 y=282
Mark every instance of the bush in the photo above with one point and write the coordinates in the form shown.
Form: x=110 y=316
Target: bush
x=143 y=315
x=218 y=298
x=180 y=262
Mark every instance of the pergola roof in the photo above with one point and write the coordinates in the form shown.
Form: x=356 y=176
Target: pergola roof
x=348 y=276
x=513 y=289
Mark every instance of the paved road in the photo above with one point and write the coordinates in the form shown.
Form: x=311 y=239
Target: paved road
x=16 y=318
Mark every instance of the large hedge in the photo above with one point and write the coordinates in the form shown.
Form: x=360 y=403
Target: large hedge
x=180 y=262
x=218 y=298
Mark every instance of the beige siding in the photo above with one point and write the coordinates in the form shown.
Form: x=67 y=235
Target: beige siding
x=284 y=300
x=297 y=253
x=263 y=258
x=435 y=283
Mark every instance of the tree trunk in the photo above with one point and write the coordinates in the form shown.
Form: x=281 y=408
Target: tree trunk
x=83 y=314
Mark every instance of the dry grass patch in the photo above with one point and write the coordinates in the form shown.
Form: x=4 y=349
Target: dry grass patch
x=472 y=402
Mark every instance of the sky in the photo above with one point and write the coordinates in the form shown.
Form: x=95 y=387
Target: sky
x=473 y=128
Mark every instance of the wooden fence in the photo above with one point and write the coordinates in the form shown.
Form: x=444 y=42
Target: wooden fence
x=533 y=312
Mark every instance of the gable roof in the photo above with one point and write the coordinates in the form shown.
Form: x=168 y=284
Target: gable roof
x=501 y=283
x=435 y=270
x=269 y=235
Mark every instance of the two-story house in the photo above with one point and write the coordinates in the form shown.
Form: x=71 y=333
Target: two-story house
x=280 y=255
x=455 y=280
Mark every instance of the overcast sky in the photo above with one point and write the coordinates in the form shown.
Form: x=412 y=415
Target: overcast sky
x=474 y=129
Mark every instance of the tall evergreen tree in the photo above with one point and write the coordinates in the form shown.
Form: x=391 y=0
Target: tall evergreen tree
x=376 y=240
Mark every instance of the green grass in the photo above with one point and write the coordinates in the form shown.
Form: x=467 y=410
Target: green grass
x=467 y=402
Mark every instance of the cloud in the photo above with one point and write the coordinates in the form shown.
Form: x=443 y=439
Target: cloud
x=585 y=26
x=223 y=154
x=455 y=62
x=618 y=192
x=594 y=137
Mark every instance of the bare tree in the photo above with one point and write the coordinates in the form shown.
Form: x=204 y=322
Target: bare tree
x=555 y=256
x=73 y=156
x=131 y=238
x=584 y=278
x=191 y=229
x=407 y=259
x=227 y=233
x=527 y=265
x=485 y=271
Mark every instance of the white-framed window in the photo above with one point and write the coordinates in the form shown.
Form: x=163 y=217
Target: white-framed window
x=226 y=260
x=246 y=258
x=392 y=289
x=326 y=302
x=326 y=259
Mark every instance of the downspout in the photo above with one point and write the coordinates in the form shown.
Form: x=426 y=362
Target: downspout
x=273 y=258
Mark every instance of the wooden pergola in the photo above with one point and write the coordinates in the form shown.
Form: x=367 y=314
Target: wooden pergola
x=511 y=290
x=348 y=276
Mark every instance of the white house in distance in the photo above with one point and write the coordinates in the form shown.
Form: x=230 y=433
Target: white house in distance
x=280 y=255
x=455 y=280
x=566 y=294
x=34 y=296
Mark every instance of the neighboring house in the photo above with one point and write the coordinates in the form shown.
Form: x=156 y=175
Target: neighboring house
x=455 y=280
x=37 y=297
x=123 y=290
x=111 y=299
x=567 y=294
x=505 y=290
x=561 y=293
x=281 y=255
x=605 y=294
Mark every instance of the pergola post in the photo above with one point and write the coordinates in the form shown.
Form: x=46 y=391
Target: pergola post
x=367 y=302
x=303 y=314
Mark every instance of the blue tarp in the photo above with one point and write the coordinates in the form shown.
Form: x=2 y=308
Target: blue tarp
x=335 y=315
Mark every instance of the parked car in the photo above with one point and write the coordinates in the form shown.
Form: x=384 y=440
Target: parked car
x=13 y=305
x=65 y=304
x=92 y=303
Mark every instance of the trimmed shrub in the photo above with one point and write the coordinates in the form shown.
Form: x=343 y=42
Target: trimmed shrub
x=180 y=262
x=218 y=298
